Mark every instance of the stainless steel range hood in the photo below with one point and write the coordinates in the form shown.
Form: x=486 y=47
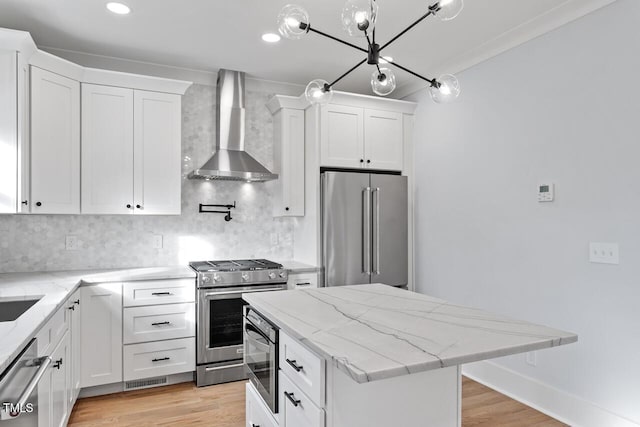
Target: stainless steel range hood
x=230 y=161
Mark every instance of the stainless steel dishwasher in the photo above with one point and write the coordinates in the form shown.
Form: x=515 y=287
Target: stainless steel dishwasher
x=19 y=388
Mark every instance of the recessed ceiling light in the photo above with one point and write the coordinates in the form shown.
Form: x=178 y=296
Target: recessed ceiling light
x=271 y=37
x=386 y=59
x=118 y=8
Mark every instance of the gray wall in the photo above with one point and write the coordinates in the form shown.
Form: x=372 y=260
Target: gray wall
x=37 y=242
x=563 y=107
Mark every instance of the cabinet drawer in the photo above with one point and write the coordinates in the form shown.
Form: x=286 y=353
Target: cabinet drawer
x=159 y=358
x=150 y=292
x=257 y=413
x=302 y=281
x=158 y=322
x=305 y=369
x=296 y=408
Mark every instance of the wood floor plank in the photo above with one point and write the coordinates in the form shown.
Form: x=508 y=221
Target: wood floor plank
x=223 y=406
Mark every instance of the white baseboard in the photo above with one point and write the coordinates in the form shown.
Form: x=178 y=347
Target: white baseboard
x=558 y=404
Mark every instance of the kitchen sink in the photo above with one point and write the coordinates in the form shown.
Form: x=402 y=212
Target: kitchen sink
x=10 y=310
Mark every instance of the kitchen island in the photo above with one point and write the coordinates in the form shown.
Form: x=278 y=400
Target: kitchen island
x=387 y=356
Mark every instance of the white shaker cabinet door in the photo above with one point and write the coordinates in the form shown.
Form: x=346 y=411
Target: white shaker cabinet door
x=383 y=140
x=101 y=334
x=107 y=150
x=55 y=143
x=157 y=153
x=342 y=136
x=60 y=383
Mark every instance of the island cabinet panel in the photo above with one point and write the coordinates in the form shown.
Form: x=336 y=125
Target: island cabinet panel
x=55 y=143
x=257 y=413
x=429 y=398
x=296 y=409
x=305 y=369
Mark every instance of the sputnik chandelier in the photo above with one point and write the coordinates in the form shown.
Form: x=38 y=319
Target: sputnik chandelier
x=359 y=20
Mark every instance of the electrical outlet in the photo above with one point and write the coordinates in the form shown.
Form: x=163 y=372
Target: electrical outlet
x=532 y=358
x=71 y=243
x=604 y=253
x=158 y=241
x=274 y=238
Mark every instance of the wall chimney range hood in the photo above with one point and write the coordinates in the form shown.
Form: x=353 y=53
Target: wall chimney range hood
x=230 y=162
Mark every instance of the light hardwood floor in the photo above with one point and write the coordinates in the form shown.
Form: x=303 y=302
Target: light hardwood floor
x=223 y=406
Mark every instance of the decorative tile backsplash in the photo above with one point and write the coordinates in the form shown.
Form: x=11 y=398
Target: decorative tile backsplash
x=37 y=242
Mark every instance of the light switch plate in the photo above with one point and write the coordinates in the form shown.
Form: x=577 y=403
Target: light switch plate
x=604 y=253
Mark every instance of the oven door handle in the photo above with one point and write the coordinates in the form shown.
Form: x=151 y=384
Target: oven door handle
x=251 y=330
x=22 y=400
x=213 y=294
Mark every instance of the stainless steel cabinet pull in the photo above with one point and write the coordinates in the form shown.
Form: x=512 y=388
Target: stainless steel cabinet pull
x=160 y=323
x=366 y=230
x=292 y=398
x=161 y=359
x=161 y=294
x=294 y=365
x=26 y=394
x=376 y=231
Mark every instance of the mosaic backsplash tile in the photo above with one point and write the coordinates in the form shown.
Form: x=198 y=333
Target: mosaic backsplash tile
x=37 y=242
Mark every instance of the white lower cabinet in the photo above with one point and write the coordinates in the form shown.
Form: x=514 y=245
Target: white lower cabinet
x=158 y=322
x=296 y=408
x=60 y=383
x=159 y=358
x=302 y=281
x=257 y=413
x=101 y=335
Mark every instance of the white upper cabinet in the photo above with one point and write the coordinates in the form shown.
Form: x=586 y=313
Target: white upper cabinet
x=289 y=162
x=342 y=136
x=55 y=143
x=358 y=137
x=107 y=150
x=383 y=139
x=157 y=149
x=8 y=131
x=131 y=144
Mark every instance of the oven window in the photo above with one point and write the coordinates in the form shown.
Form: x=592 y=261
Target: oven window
x=259 y=358
x=225 y=322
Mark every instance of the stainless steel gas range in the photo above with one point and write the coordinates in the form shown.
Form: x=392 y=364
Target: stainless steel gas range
x=220 y=285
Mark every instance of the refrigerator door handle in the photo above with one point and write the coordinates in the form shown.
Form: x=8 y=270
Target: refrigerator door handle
x=366 y=230
x=376 y=230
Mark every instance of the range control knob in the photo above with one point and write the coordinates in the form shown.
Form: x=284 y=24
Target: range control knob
x=216 y=277
x=245 y=276
x=282 y=274
x=272 y=275
x=206 y=279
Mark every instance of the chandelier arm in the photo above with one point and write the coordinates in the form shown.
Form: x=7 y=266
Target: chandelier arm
x=336 y=39
x=432 y=82
x=419 y=20
x=348 y=72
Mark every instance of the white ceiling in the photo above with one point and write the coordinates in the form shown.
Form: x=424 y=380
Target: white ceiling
x=211 y=34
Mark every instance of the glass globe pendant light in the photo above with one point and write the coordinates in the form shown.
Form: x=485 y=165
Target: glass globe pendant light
x=358 y=16
x=293 y=22
x=445 y=89
x=448 y=9
x=318 y=91
x=383 y=82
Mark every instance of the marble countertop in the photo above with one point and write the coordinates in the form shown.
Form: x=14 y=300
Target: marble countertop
x=298 y=267
x=373 y=332
x=54 y=288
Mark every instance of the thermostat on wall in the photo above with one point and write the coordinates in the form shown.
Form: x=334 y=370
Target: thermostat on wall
x=545 y=192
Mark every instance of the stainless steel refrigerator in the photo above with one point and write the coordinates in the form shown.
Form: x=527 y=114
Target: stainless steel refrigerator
x=364 y=228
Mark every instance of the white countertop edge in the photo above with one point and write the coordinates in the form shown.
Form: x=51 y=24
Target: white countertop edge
x=65 y=283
